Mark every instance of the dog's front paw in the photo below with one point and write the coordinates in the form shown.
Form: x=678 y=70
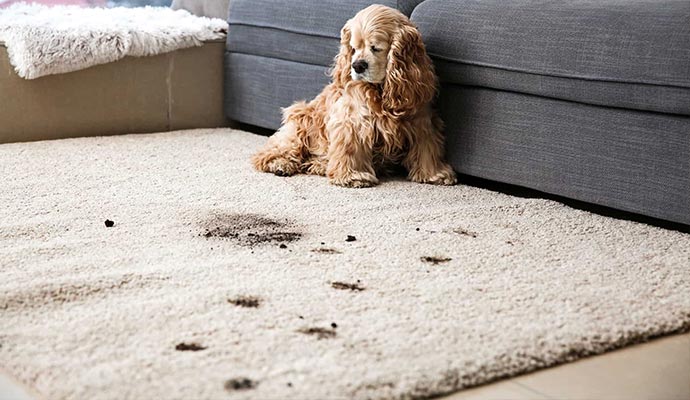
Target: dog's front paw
x=355 y=180
x=282 y=167
x=443 y=176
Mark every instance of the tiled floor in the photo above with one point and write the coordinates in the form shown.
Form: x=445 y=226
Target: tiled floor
x=10 y=390
x=659 y=370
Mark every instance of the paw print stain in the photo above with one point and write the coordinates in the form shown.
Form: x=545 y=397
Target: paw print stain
x=320 y=333
x=355 y=287
x=189 y=347
x=465 y=232
x=326 y=250
x=435 y=260
x=246 y=301
x=249 y=230
x=235 y=384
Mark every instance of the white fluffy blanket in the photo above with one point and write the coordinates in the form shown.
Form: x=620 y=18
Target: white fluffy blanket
x=45 y=40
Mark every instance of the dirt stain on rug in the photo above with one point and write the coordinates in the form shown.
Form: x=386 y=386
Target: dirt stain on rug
x=355 y=287
x=465 y=232
x=320 y=333
x=249 y=229
x=246 y=301
x=189 y=347
x=435 y=260
x=235 y=384
x=326 y=250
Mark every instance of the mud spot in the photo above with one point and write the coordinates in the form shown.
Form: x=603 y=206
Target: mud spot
x=320 y=333
x=326 y=250
x=109 y=223
x=249 y=229
x=235 y=384
x=189 y=347
x=246 y=301
x=350 y=238
x=347 y=286
x=465 y=232
x=435 y=260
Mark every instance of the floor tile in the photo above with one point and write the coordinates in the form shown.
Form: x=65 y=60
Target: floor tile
x=658 y=370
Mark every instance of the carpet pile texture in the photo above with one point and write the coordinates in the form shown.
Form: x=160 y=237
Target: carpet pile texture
x=216 y=281
x=45 y=40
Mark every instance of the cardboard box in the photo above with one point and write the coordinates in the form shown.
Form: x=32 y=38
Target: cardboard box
x=178 y=90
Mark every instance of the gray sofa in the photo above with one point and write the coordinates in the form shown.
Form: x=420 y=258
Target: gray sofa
x=582 y=99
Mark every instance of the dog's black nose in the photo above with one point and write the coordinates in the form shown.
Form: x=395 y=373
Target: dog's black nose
x=360 y=66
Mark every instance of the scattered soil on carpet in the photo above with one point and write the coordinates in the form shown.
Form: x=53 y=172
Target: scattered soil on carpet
x=234 y=384
x=350 y=238
x=320 y=333
x=347 y=286
x=435 y=260
x=246 y=301
x=326 y=250
x=109 y=223
x=249 y=229
x=189 y=347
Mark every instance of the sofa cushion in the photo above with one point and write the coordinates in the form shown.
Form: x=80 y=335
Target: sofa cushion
x=621 y=53
x=305 y=31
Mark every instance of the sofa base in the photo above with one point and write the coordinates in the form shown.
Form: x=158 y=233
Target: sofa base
x=179 y=90
x=629 y=160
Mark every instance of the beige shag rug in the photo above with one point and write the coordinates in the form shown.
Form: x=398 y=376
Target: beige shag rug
x=398 y=291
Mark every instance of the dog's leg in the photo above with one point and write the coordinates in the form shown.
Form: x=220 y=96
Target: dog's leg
x=315 y=165
x=350 y=154
x=282 y=154
x=424 y=160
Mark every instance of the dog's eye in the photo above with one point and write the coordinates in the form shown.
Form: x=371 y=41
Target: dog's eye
x=374 y=49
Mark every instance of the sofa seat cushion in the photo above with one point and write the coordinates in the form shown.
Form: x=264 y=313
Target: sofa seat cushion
x=305 y=31
x=619 y=53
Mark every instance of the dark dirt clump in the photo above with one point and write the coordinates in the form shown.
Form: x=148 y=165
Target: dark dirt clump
x=347 y=286
x=435 y=260
x=109 y=223
x=189 y=347
x=249 y=229
x=350 y=238
x=326 y=250
x=320 y=333
x=246 y=301
x=334 y=325
x=239 y=384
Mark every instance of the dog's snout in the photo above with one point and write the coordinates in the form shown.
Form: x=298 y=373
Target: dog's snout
x=360 y=66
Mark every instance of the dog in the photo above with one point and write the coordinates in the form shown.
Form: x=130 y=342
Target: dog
x=375 y=113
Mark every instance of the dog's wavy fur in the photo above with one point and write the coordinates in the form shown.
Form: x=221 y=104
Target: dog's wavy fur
x=355 y=128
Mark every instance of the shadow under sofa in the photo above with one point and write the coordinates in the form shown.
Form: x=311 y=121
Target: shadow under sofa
x=582 y=100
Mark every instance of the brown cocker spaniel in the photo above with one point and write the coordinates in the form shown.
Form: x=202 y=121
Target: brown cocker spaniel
x=376 y=112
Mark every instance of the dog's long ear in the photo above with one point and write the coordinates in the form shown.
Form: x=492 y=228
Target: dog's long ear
x=410 y=79
x=343 y=61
